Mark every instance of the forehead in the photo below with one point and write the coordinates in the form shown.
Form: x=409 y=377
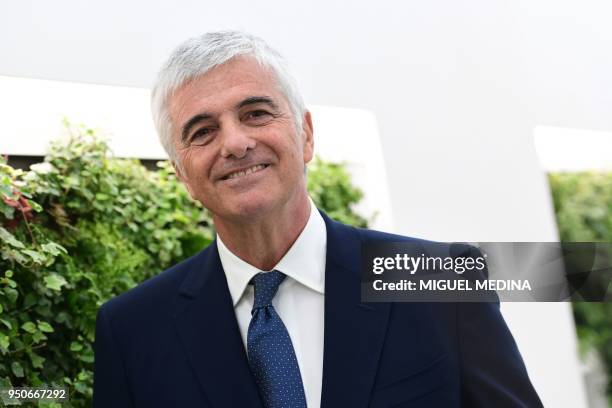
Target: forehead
x=222 y=87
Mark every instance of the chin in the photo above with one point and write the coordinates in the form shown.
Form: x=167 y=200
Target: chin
x=250 y=208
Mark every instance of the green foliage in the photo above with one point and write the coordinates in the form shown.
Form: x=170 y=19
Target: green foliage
x=329 y=185
x=583 y=207
x=76 y=230
x=83 y=227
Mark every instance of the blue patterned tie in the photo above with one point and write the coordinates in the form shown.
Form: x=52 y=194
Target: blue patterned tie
x=271 y=353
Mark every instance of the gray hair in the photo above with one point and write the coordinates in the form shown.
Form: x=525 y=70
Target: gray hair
x=197 y=56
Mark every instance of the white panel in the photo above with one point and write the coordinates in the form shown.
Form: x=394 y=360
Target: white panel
x=566 y=149
x=33 y=111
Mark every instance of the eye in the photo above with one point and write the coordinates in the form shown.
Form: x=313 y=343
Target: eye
x=258 y=117
x=200 y=136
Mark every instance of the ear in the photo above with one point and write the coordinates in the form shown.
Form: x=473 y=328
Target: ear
x=307 y=131
x=181 y=176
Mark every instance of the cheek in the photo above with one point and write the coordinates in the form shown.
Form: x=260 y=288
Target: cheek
x=195 y=167
x=298 y=155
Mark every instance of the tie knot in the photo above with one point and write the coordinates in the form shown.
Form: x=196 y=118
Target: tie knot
x=266 y=284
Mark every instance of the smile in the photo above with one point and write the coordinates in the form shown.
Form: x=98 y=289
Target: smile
x=245 y=172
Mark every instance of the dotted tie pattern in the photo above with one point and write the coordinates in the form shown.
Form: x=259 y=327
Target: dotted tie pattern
x=271 y=354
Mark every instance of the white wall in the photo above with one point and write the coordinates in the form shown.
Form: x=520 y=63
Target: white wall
x=457 y=89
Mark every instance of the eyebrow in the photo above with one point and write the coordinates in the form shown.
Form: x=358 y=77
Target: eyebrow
x=251 y=100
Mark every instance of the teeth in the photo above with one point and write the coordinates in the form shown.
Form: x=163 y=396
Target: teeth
x=247 y=171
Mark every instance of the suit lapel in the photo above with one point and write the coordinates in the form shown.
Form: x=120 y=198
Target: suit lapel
x=209 y=333
x=354 y=331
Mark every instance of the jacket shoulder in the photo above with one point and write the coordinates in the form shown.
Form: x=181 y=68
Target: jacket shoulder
x=455 y=248
x=374 y=235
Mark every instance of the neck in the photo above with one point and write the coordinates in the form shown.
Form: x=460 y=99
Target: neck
x=264 y=241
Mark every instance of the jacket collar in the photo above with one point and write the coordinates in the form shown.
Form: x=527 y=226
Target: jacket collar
x=206 y=324
x=354 y=331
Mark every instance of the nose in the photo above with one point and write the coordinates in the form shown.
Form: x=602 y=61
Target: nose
x=235 y=140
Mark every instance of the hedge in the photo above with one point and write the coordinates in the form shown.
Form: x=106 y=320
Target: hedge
x=583 y=208
x=84 y=226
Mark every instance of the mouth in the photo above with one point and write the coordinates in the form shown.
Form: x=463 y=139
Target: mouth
x=245 y=172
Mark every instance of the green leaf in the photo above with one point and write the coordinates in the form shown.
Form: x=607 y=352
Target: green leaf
x=83 y=376
x=37 y=361
x=38 y=337
x=15 y=255
x=29 y=327
x=6 y=189
x=17 y=369
x=45 y=327
x=35 y=206
x=5 y=383
x=87 y=357
x=37 y=257
x=42 y=168
x=4 y=341
x=10 y=239
x=54 y=281
x=6 y=323
x=80 y=387
x=61 y=317
x=74 y=346
x=53 y=248
x=8 y=212
x=30 y=300
x=11 y=294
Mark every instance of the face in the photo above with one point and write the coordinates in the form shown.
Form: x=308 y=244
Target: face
x=240 y=154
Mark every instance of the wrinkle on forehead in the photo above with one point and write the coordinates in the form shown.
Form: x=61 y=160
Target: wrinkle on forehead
x=226 y=79
x=236 y=72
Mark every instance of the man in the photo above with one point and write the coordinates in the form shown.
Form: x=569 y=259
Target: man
x=270 y=315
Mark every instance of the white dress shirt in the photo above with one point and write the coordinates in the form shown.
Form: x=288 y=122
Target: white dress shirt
x=299 y=301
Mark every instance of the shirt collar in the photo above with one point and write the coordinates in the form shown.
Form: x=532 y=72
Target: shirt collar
x=304 y=262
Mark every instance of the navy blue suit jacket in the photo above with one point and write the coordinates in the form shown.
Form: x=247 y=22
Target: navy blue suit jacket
x=174 y=341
